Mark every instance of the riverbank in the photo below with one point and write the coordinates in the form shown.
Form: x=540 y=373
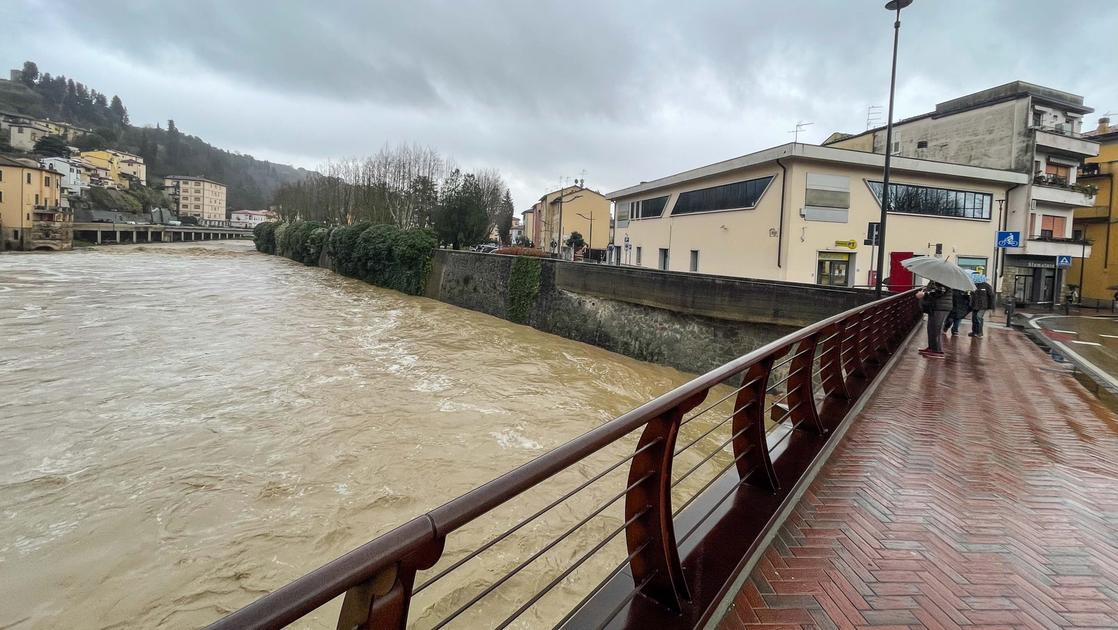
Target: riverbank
x=692 y=322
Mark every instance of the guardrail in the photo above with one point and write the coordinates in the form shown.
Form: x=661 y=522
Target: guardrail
x=785 y=401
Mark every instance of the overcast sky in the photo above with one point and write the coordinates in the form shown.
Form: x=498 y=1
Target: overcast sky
x=614 y=91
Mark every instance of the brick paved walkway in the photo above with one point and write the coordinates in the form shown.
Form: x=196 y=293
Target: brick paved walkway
x=980 y=491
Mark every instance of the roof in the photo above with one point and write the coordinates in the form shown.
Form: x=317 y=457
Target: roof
x=7 y=160
x=983 y=98
x=528 y=211
x=798 y=151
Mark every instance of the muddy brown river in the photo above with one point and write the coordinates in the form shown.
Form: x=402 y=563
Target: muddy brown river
x=183 y=429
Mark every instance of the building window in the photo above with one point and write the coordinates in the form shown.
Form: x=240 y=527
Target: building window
x=973 y=263
x=649 y=208
x=922 y=144
x=1 y=196
x=694 y=260
x=663 y=259
x=943 y=202
x=46 y=180
x=36 y=199
x=1038 y=119
x=29 y=178
x=1057 y=173
x=1051 y=226
x=16 y=233
x=638 y=257
x=736 y=196
x=833 y=269
x=197 y=206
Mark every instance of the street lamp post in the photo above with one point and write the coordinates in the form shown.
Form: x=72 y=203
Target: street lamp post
x=892 y=5
x=591 y=220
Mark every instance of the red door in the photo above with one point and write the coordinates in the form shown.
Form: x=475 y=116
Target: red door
x=900 y=279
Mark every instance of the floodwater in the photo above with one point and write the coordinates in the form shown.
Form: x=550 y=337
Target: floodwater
x=184 y=428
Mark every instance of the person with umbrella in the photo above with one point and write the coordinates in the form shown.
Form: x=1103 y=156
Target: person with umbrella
x=935 y=299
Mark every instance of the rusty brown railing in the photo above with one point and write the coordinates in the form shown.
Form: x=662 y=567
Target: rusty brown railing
x=788 y=398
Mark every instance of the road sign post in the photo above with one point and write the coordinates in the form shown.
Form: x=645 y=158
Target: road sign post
x=1008 y=239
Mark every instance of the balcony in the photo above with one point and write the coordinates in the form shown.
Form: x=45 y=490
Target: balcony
x=1065 y=142
x=1053 y=246
x=1055 y=190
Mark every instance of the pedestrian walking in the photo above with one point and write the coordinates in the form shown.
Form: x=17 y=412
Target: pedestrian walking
x=960 y=308
x=981 y=300
x=935 y=300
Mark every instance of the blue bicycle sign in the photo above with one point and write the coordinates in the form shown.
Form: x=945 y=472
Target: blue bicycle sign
x=1009 y=239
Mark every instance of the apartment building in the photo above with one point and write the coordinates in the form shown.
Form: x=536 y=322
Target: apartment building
x=1097 y=273
x=250 y=218
x=23 y=133
x=1022 y=127
x=31 y=212
x=803 y=213
x=70 y=171
x=528 y=219
x=572 y=209
x=122 y=168
x=197 y=197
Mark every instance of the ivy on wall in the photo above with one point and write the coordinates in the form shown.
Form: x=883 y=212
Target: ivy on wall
x=524 y=288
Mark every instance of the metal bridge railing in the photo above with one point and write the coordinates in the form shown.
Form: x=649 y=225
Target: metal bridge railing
x=748 y=445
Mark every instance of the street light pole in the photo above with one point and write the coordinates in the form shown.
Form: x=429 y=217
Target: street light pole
x=892 y=5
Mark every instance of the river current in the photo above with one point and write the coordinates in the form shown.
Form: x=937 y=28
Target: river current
x=185 y=428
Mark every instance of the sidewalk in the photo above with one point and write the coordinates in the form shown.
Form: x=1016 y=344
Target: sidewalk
x=980 y=491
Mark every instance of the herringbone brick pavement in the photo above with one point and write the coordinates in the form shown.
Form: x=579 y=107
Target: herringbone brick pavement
x=976 y=492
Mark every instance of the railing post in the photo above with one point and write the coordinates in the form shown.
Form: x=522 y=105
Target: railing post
x=751 y=449
x=801 y=388
x=650 y=535
x=383 y=600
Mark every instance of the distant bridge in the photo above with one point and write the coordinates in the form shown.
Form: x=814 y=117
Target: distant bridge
x=153 y=233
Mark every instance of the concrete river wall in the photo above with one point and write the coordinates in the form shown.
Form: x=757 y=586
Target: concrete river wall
x=692 y=322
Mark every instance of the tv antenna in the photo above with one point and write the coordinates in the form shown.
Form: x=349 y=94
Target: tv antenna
x=873 y=116
x=800 y=126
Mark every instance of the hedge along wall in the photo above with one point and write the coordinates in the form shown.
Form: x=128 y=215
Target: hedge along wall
x=383 y=255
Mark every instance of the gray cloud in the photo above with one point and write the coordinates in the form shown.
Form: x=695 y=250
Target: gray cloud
x=623 y=90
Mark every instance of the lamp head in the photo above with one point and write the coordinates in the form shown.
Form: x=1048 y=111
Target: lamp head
x=897 y=5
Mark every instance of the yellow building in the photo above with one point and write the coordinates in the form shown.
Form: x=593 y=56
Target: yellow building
x=529 y=220
x=802 y=213
x=31 y=213
x=197 y=197
x=122 y=168
x=572 y=209
x=1098 y=277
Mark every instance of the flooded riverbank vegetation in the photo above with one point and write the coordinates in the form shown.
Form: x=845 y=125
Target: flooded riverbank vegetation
x=382 y=254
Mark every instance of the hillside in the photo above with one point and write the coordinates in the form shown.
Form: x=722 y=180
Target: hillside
x=165 y=149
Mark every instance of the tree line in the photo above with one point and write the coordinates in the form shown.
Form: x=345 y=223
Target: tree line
x=250 y=183
x=407 y=186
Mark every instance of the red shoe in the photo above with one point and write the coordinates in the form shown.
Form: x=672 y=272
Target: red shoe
x=924 y=350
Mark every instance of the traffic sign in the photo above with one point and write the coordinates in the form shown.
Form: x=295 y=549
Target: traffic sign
x=1063 y=262
x=1009 y=239
x=873 y=235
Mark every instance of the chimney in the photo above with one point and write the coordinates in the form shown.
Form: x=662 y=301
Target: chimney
x=1104 y=125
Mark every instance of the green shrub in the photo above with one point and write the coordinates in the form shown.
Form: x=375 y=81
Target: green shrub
x=264 y=235
x=524 y=288
x=374 y=253
x=380 y=254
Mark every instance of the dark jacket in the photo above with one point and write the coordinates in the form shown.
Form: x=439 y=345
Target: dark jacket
x=983 y=297
x=937 y=298
x=960 y=303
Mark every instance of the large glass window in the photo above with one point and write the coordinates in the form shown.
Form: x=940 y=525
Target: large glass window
x=943 y=202
x=649 y=208
x=726 y=197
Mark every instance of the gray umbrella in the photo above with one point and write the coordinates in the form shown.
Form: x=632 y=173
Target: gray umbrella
x=939 y=270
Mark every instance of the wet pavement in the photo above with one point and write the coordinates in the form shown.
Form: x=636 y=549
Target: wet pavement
x=1089 y=339
x=980 y=491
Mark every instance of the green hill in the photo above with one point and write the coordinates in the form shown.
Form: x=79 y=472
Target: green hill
x=165 y=149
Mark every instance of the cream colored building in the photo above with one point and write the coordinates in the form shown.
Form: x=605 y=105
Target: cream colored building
x=802 y=213
x=572 y=209
x=197 y=197
x=122 y=168
x=23 y=134
x=31 y=212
